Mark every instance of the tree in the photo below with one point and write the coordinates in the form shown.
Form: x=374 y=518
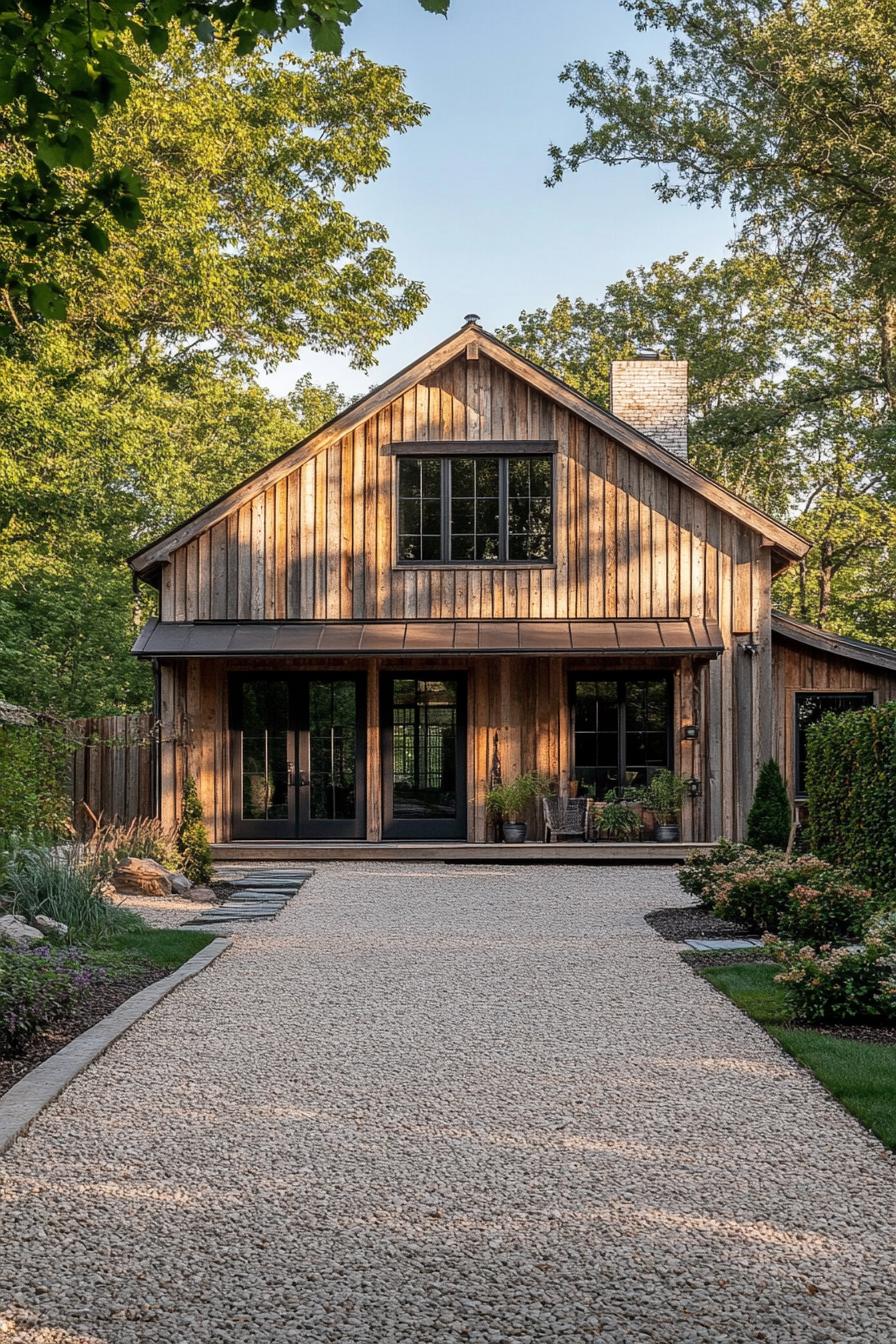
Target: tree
x=145 y=404
x=192 y=837
x=768 y=822
x=64 y=67
x=785 y=408
x=786 y=109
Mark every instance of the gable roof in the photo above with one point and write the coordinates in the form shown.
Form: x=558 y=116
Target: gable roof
x=842 y=646
x=787 y=545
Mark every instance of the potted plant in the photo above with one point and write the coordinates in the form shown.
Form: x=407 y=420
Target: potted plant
x=665 y=794
x=509 y=801
x=616 y=820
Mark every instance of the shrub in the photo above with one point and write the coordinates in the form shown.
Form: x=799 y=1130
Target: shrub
x=826 y=908
x=66 y=885
x=834 y=984
x=756 y=889
x=34 y=763
x=851 y=784
x=702 y=874
x=192 y=837
x=39 y=987
x=768 y=823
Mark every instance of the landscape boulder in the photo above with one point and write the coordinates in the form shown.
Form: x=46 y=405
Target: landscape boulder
x=16 y=931
x=141 y=877
x=202 y=894
x=180 y=884
x=51 y=925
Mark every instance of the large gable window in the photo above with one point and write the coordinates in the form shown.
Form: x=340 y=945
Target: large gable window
x=811 y=707
x=478 y=509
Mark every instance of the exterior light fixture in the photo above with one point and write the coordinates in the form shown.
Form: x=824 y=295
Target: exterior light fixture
x=689 y=732
x=693 y=787
x=750 y=647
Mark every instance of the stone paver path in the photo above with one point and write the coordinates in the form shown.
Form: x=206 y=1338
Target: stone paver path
x=427 y=1106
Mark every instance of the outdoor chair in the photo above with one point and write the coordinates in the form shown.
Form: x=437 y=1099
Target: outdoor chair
x=564 y=816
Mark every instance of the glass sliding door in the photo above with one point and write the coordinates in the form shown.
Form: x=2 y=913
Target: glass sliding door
x=263 y=738
x=298 y=756
x=331 y=756
x=621 y=730
x=424 y=756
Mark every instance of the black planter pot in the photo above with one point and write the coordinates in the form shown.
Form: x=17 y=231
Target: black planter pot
x=514 y=832
x=666 y=832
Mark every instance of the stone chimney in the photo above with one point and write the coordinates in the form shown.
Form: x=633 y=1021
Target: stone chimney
x=651 y=394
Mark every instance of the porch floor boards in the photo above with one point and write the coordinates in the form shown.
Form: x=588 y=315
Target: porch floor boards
x=367 y=851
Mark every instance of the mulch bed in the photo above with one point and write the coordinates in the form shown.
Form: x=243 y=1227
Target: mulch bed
x=101 y=1000
x=690 y=921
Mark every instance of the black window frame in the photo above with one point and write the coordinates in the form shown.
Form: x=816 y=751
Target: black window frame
x=861 y=700
x=621 y=676
x=476 y=452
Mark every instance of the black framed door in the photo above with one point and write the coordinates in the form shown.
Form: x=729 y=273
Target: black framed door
x=424 y=734
x=298 y=764
x=621 y=729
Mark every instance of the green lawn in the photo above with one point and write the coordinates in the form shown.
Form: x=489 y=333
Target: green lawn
x=165 y=948
x=862 y=1077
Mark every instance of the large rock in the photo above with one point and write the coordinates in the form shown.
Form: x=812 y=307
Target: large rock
x=16 y=931
x=201 y=894
x=51 y=925
x=141 y=877
x=180 y=885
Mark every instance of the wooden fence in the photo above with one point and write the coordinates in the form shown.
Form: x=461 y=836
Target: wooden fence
x=113 y=768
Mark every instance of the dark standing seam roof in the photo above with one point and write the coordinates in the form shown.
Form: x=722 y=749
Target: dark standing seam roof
x=210 y=639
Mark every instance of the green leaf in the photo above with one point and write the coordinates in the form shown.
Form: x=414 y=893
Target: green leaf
x=48 y=300
x=158 y=40
x=436 y=6
x=326 y=36
x=95 y=236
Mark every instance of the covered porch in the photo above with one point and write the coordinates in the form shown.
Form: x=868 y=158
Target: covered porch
x=381 y=739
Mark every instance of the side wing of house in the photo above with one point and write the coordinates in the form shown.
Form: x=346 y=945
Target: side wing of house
x=629 y=543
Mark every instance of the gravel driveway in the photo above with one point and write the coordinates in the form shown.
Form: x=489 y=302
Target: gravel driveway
x=448 y=1104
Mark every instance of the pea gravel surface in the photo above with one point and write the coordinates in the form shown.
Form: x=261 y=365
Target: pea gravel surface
x=448 y=1104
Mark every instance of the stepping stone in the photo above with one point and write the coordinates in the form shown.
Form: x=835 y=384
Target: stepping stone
x=260 y=894
x=722 y=944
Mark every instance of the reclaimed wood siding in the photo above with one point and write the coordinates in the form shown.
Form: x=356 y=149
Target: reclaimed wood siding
x=798 y=668
x=630 y=542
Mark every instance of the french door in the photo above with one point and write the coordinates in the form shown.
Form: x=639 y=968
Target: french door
x=423 y=717
x=621 y=730
x=298 y=756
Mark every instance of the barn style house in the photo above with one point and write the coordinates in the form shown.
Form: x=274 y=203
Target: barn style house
x=473 y=572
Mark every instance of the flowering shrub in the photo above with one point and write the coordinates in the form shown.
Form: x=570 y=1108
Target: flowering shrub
x=703 y=874
x=834 y=984
x=825 y=908
x=755 y=889
x=40 y=986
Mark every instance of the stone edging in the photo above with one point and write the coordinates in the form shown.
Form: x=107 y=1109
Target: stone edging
x=24 y=1102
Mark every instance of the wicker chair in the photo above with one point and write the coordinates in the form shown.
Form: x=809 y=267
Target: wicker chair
x=564 y=816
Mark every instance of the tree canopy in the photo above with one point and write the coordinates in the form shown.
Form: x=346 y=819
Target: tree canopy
x=145 y=404
x=65 y=65
x=775 y=410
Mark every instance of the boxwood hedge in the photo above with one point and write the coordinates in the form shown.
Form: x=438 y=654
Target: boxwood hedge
x=851 y=785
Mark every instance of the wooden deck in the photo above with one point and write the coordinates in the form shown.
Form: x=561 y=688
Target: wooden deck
x=358 y=851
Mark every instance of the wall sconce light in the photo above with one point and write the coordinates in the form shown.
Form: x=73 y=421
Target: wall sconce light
x=689 y=732
x=693 y=787
x=750 y=647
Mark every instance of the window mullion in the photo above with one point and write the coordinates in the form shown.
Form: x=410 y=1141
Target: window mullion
x=446 y=510
x=502 y=510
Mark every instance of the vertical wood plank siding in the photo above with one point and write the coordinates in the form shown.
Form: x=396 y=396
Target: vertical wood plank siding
x=630 y=542
x=797 y=668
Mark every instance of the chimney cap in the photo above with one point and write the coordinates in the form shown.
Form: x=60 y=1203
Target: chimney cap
x=471 y=317
x=646 y=352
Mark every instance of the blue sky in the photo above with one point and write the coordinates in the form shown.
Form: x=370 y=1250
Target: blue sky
x=464 y=197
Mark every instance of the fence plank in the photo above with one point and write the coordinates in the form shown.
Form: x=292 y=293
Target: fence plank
x=112 y=768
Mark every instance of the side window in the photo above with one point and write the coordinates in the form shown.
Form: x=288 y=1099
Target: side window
x=811 y=706
x=419 y=508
